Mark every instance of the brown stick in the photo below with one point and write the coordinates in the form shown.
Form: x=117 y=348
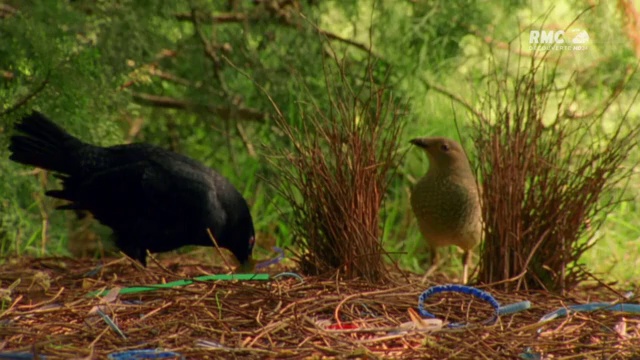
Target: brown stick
x=222 y=111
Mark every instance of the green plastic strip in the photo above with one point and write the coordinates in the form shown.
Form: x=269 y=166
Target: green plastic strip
x=185 y=282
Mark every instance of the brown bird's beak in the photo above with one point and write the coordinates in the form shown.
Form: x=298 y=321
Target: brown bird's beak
x=420 y=142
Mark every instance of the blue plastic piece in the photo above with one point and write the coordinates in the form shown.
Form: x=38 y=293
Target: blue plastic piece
x=630 y=308
x=289 y=274
x=145 y=354
x=111 y=324
x=529 y=354
x=93 y=272
x=20 y=356
x=273 y=261
x=514 y=308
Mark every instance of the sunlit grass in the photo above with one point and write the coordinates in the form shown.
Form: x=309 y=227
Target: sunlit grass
x=616 y=253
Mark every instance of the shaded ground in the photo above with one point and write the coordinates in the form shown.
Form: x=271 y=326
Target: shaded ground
x=49 y=313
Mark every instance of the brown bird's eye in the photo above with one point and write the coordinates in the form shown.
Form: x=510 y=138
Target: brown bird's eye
x=444 y=147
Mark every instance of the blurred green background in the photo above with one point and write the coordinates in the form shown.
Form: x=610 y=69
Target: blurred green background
x=183 y=74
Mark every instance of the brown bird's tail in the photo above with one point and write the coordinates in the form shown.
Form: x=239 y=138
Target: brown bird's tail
x=44 y=144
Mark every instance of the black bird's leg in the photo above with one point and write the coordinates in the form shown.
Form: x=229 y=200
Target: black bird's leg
x=129 y=248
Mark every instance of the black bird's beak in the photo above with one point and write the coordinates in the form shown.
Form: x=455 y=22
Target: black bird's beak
x=420 y=142
x=246 y=267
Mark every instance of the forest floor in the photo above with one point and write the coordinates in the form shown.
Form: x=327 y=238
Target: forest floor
x=50 y=312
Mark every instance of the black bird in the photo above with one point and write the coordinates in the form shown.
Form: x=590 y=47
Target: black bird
x=152 y=198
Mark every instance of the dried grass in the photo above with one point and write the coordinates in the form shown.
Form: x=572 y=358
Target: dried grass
x=336 y=172
x=547 y=185
x=284 y=318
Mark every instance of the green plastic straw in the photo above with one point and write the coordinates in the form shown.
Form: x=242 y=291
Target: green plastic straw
x=184 y=282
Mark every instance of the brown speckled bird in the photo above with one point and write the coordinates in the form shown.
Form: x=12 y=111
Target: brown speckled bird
x=446 y=201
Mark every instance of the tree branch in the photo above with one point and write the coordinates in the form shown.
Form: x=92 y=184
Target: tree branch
x=27 y=97
x=219 y=19
x=7 y=11
x=454 y=97
x=209 y=51
x=222 y=111
x=353 y=43
x=227 y=18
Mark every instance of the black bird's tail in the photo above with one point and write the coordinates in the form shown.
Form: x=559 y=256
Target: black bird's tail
x=44 y=144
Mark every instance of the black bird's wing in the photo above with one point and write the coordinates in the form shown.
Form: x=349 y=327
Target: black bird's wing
x=149 y=204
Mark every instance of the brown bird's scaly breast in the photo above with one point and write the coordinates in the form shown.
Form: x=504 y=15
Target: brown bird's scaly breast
x=448 y=211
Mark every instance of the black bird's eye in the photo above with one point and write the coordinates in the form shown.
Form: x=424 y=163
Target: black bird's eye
x=444 y=147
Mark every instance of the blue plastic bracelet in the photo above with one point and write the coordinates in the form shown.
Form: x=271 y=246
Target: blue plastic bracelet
x=469 y=290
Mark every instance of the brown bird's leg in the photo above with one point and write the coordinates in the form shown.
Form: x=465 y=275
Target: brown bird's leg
x=434 y=258
x=466 y=259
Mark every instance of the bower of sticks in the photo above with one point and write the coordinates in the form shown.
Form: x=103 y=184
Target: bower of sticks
x=50 y=310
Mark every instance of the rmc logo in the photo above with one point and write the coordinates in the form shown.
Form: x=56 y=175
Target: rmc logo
x=574 y=39
x=546 y=37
